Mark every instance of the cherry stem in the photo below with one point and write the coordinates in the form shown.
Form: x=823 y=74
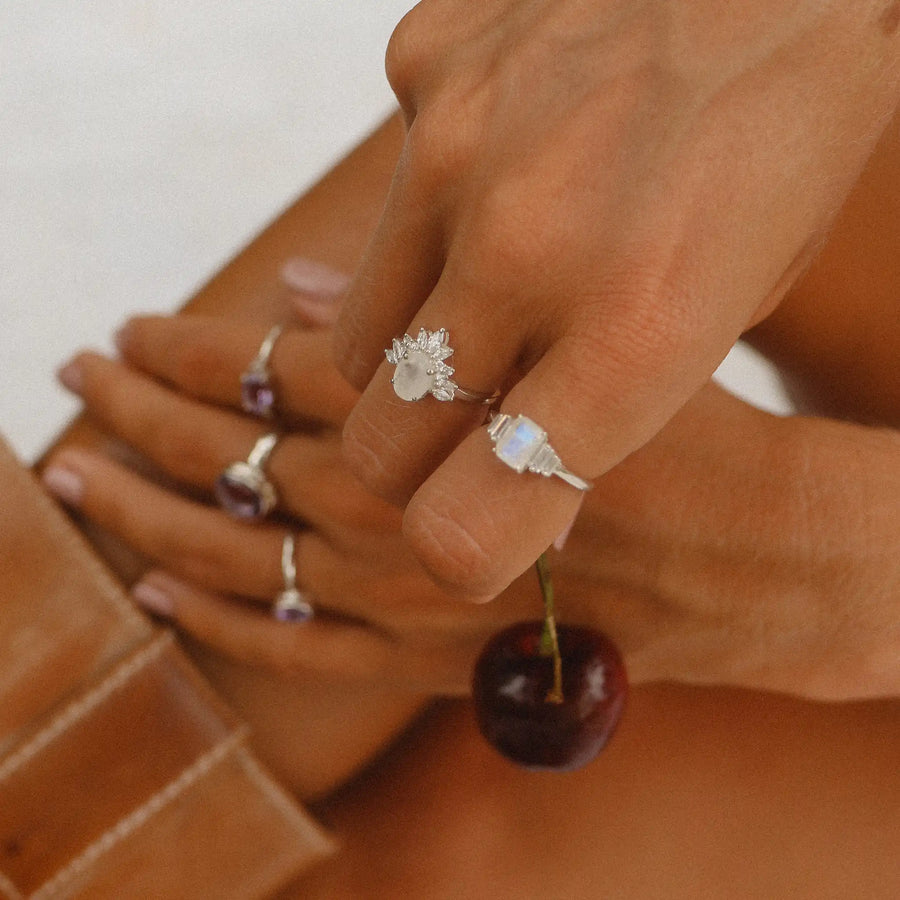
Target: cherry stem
x=549 y=637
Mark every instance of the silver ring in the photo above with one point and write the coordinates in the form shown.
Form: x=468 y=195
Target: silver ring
x=522 y=444
x=257 y=388
x=243 y=489
x=421 y=369
x=291 y=605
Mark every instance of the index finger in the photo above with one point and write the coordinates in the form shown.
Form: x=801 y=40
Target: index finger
x=205 y=357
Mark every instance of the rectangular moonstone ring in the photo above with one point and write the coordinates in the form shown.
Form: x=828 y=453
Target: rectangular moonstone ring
x=522 y=444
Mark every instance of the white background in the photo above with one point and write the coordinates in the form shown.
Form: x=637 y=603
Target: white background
x=145 y=141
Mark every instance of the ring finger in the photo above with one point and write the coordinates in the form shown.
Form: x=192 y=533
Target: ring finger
x=194 y=443
x=205 y=357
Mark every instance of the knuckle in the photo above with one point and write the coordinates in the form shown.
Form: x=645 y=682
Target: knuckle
x=510 y=238
x=372 y=455
x=444 y=140
x=456 y=551
x=406 y=54
x=650 y=314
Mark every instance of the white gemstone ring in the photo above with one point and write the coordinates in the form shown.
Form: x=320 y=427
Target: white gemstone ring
x=421 y=369
x=522 y=444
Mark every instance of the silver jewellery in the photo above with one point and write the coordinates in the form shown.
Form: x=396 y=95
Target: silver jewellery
x=291 y=605
x=421 y=369
x=257 y=390
x=243 y=489
x=522 y=444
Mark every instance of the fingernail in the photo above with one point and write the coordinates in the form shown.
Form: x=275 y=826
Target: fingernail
x=154 y=595
x=307 y=275
x=563 y=536
x=317 y=290
x=63 y=483
x=70 y=376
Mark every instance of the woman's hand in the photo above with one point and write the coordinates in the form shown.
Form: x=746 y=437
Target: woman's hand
x=734 y=548
x=746 y=549
x=174 y=399
x=599 y=197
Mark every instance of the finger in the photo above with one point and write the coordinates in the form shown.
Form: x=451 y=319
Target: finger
x=392 y=592
x=195 y=541
x=392 y=443
x=193 y=443
x=204 y=357
x=322 y=646
x=399 y=267
x=189 y=440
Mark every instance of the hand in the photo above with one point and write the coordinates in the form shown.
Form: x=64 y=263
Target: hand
x=746 y=549
x=734 y=548
x=595 y=199
x=174 y=399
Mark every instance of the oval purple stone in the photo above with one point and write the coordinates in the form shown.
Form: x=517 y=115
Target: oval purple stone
x=257 y=394
x=238 y=498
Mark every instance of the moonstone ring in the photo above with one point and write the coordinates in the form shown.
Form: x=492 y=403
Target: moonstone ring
x=421 y=369
x=522 y=444
x=243 y=489
x=291 y=605
x=257 y=389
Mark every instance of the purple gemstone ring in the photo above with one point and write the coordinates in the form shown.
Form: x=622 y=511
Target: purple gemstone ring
x=243 y=489
x=291 y=605
x=257 y=388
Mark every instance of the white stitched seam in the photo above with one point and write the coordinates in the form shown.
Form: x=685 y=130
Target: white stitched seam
x=134 y=820
x=326 y=843
x=83 y=705
x=11 y=890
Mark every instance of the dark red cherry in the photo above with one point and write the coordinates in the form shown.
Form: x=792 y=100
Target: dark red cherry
x=512 y=684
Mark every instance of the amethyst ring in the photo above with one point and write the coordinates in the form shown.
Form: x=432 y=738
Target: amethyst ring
x=291 y=605
x=421 y=369
x=257 y=388
x=522 y=444
x=243 y=489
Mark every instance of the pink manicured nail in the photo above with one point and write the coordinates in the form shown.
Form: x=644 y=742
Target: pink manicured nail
x=70 y=377
x=304 y=274
x=318 y=289
x=64 y=483
x=155 y=595
x=563 y=536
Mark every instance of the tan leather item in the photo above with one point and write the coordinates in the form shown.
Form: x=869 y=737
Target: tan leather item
x=121 y=773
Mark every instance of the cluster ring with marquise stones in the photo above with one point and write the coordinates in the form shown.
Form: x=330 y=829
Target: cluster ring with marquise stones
x=422 y=369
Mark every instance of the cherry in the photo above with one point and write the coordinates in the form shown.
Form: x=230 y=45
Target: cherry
x=516 y=706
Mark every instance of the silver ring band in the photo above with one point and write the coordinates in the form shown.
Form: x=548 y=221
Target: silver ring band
x=291 y=605
x=257 y=388
x=244 y=489
x=421 y=369
x=522 y=444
